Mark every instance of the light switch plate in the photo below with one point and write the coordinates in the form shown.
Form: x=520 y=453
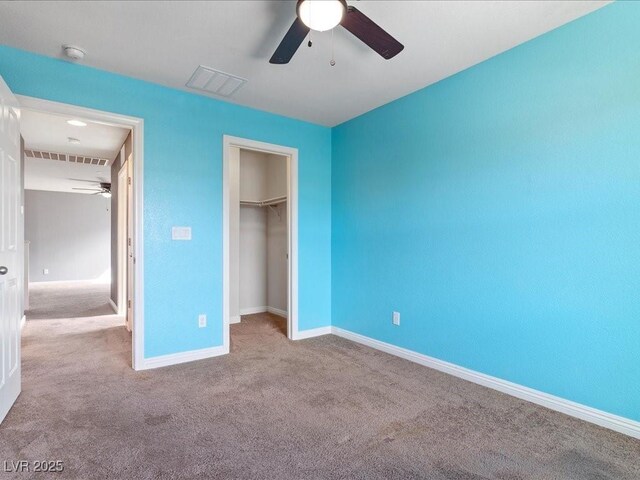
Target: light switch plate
x=202 y=321
x=396 y=318
x=180 y=233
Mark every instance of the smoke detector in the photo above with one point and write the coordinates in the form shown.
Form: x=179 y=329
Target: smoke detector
x=73 y=52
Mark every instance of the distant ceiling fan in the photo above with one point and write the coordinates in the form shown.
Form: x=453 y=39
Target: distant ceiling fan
x=322 y=15
x=102 y=188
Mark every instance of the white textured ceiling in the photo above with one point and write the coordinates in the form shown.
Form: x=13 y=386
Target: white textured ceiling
x=55 y=176
x=48 y=132
x=164 y=42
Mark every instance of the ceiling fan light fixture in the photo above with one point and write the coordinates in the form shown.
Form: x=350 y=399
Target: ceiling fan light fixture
x=321 y=15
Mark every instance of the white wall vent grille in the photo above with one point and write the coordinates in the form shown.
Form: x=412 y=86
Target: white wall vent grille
x=209 y=80
x=64 y=157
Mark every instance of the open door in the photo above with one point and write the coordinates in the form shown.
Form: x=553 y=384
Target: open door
x=123 y=253
x=130 y=247
x=10 y=261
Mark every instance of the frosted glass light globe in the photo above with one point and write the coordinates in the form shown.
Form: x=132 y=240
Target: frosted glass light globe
x=321 y=15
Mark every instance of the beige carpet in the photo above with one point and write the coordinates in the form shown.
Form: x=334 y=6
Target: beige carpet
x=322 y=408
x=68 y=300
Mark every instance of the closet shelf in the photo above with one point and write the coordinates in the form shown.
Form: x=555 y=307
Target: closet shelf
x=264 y=203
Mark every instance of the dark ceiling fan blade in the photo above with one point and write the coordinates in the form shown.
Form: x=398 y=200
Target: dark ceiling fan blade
x=290 y=43
x=370 y=33
x=88 y=189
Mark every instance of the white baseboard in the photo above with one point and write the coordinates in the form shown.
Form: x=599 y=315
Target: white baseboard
x=235 y=319
x=92 y=281
x=114 y=306
x=252 y=310
x=183 y=357
x=277 y=311
x=592 y=415
x=313 y=332
x=23 y=321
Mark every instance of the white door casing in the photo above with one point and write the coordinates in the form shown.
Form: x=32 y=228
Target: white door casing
x=10 y=250
x=231 y=146
x=234 y=231
x=137 y=201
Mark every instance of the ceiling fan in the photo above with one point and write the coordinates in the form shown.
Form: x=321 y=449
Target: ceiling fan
x=102 y=188
x=322 y=15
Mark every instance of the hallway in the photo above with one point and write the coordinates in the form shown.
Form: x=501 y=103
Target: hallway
x=48 y=300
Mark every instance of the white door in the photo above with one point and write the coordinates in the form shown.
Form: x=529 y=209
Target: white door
x=10 y=262
x=130 y=246
x=122 y=243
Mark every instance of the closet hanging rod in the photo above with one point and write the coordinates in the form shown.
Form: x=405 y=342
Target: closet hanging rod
x=264 y=203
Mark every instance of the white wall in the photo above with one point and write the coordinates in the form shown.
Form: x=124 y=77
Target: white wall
x=262 y=176
x=277 y=244
x=252 y=233
x=253 y=175
x=276 y=176
x=253 y=260
x=277 y=261
x=69 y=234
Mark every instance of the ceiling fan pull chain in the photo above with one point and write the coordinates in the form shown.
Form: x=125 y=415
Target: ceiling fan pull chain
x=310 y=39
x=332 y=62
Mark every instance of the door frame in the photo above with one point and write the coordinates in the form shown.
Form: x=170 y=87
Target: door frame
x=137 y=126
x=291 y=154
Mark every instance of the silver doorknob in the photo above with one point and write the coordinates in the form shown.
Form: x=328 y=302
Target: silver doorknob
x=3 y=270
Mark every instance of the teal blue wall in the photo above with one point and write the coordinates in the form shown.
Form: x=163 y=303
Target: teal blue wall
x=183 y=186
x=499 y=211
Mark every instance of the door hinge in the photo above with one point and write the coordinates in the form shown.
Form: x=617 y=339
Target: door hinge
x=129 y=180
x=128 y=303
x=129 y=241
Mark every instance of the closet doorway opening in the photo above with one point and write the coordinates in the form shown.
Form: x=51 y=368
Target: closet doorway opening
x=260 y=218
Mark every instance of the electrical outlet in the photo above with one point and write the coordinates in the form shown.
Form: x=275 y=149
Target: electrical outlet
x=45 y=271
x=396 y=318
x=202 y=321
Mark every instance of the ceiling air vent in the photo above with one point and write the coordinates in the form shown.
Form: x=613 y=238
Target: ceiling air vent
x=63 y=157
x=45 y=155
x=208 y=80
